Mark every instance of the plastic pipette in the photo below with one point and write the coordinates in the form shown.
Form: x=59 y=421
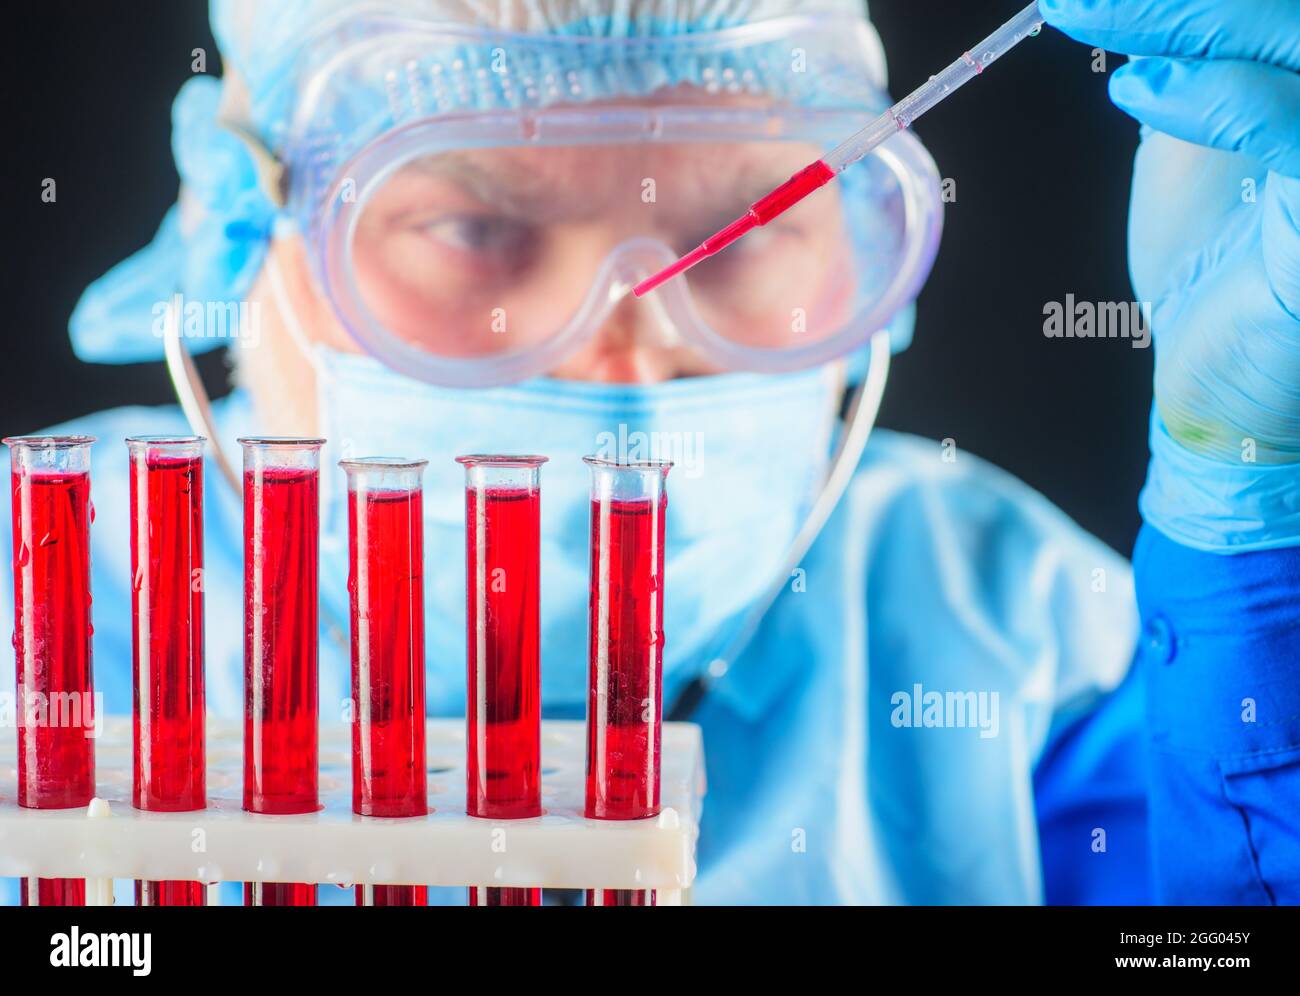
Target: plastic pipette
x=898 y=118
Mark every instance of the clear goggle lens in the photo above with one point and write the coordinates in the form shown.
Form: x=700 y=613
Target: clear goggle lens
x=479 y=203
x=486 y=264
x=489 y=251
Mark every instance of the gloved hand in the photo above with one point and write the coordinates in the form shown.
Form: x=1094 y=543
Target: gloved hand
x=1214 y=240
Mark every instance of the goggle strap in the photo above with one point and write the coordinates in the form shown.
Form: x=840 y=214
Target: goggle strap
x=272 y=173
x=858 y=425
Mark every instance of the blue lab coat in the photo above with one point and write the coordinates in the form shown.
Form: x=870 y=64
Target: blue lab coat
x=948 y=711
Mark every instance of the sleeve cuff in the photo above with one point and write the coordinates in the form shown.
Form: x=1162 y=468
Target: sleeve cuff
x=1219 y=507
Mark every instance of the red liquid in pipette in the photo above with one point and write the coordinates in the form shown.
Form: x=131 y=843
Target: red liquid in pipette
x=504 y=722
x=167 y=640
x=780 y=200
x=386 y=584
x=625 y=697
x=281 y=739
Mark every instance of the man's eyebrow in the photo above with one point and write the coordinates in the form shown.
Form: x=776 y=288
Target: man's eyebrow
x=746 y=177
x=507 y=185
x=547 y=190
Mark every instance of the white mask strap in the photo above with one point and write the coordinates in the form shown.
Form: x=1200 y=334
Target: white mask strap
x=860 y=421
x=283 y=304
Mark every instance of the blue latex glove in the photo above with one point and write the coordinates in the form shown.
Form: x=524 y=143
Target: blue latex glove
x=1215 y=249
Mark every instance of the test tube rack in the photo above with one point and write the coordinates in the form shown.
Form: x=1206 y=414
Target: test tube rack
x=561 y=849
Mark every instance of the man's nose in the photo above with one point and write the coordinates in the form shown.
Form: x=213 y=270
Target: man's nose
x=636 y=344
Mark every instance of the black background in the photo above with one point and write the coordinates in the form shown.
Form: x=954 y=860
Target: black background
x=1041 y=160
x=1024 y=945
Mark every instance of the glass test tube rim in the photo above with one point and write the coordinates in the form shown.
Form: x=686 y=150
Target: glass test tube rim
x=612 y=480
x=286 y=442
x=134 y=443
x=603 y=463
x=381 y=475
x=381 y=463
x=46 y=441
x=169 y=447
x=48 y=455
x=502 y=461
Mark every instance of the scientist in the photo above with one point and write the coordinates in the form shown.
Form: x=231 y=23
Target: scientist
x=918 y=682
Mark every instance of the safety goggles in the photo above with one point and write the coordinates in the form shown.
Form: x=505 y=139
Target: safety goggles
x=477 y=205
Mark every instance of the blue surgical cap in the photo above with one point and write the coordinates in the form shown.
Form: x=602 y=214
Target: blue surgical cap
x=211 y=244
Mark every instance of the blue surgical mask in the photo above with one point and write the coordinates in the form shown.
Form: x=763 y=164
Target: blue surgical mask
x=750 y=452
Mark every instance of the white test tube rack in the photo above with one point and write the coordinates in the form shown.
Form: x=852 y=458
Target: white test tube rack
x=561 y=849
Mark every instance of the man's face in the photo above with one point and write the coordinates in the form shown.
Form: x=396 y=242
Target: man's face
x=482 y=251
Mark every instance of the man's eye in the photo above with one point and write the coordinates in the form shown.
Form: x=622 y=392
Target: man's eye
x=754 y=248
x=502 y=238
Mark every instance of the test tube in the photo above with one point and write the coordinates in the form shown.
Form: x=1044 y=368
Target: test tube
x=491 y=895
x=386 y=589
x=281 y=578
x=167 y=638
x=504 y=722
x=279 y=894
x=50 y=489
x=625 y=649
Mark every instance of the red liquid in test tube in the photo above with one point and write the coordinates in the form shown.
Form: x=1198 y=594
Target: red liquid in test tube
x=625 y=650
x=50 y=489
x=279 y=894
x=171 y=893
x=281 y=579
x=504 y=718
x=392 y=895
x=487 y=895
x=166 y=536
x=386 y=589
x=53 y=892
x=620 y=897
